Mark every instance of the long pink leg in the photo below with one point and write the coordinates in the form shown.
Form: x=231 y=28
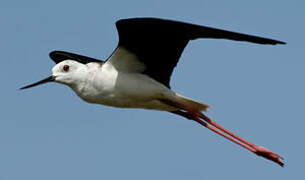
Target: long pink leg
x=194 y=118
x=258 y=150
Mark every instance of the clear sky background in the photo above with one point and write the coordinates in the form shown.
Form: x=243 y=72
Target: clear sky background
x=254 y=90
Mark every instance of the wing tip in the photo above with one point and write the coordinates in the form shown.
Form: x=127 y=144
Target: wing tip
x=56 y=56
x=59 y=56
x=282 y=43
x=267 y=41
x=276 y=42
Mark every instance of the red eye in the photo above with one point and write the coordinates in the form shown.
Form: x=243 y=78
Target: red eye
x=66 y=68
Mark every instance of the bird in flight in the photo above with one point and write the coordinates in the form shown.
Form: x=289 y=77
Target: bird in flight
x=137 y=74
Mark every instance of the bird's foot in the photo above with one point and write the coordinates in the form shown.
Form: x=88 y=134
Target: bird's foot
x=266 y=153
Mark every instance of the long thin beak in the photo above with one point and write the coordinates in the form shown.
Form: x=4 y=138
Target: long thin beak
x=46 y=80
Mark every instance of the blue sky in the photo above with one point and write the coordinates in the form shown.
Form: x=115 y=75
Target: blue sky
x=256 y=91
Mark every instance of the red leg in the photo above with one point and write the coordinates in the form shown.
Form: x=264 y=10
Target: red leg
x=258 y=150
x=194 y=118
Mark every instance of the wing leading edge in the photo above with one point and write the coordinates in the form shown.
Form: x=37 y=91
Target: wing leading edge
x=58 y=56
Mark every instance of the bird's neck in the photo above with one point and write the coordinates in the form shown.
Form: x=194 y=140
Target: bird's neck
x=97 y=81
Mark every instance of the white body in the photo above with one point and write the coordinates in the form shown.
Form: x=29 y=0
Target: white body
x=119 y=82
x=105 y=85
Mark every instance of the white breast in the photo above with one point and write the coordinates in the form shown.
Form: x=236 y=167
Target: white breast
x=108 y=86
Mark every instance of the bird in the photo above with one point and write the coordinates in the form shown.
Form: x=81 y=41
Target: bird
x=137 y=74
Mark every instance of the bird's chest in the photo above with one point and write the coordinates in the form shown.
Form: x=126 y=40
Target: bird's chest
x=120 y=90
x=99 y=87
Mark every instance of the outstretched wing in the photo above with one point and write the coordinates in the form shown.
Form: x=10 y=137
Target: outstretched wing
x=157 y=44
x=58 y=56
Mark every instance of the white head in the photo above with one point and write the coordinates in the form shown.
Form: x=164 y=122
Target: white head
x=67 y=72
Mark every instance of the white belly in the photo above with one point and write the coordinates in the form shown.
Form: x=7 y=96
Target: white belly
x=126 y=90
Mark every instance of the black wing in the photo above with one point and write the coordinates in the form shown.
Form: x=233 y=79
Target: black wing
x=159 y=43
x=58 y=56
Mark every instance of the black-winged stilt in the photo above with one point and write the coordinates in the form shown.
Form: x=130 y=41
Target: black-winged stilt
x=138 y=72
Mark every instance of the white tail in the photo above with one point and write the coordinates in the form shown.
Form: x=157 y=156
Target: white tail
x=192 y=103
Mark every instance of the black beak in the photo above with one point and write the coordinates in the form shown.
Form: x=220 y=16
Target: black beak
x=46 y=80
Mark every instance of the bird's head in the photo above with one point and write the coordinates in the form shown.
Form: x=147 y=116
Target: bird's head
x=67 y=72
